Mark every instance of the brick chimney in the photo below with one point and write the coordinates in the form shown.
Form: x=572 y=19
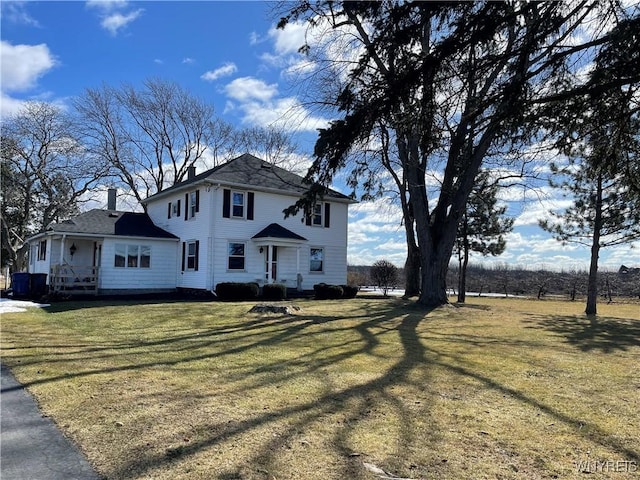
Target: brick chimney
x=191 y=172
x=111 y=199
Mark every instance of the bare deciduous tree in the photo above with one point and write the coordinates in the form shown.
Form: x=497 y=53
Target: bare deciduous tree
x=150 y=135
x=46 y=172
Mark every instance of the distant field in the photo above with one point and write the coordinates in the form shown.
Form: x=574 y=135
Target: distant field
x=357 y=389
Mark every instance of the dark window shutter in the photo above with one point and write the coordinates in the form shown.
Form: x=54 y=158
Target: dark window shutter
x=226 y=203
x=197 y=201
x=186 y=206
x=308 y=218
x=178 y=208
x=184 y=254
x=169 y=211
x=197 y=255
x=250 y=199
x=327 y=215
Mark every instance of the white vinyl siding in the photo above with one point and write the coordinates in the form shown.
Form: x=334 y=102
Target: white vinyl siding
x=215 y=232
x=159 y=274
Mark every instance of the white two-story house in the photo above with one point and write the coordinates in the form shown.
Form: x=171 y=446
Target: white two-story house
x=223 y=225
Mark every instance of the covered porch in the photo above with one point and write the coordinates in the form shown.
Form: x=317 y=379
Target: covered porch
x=280 y=248
x=74 y=265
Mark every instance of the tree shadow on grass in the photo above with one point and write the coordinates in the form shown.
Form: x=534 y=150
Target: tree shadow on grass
x=351 y=401
x=410 y=367
x=607 y=335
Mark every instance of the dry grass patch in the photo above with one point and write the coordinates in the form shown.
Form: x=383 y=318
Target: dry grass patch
x=495 y=389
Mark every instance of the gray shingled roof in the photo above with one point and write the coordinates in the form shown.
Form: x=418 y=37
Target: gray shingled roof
x=253 y=172
x=276 y=230
x=111 y=222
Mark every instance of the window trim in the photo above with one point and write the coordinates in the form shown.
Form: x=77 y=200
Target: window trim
x=322 y=261
x=139 y=256
x=317 y=215
x=243 y=256
x=174 y=209
x=248 y=204
x=320 y=215
x=243 y=205
x=191 y=204
x=42 y=250
x=191 y=256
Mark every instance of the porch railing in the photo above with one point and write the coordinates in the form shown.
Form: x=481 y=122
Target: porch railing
x=72 y=278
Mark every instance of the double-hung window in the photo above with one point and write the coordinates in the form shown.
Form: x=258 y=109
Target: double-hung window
x=236 y=256
x=317 y=215
x=237 y=207
x=174 y=209
x=316 y=260
x=192 y=254
x=190 y=251
x=42 y=250
x=320 y=215
x=238 y=204
x=193 y=203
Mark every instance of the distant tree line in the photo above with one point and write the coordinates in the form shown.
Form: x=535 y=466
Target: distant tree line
x=537 y=283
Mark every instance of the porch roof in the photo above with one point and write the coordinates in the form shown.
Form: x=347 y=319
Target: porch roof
x=277 y=231
x=112 y=223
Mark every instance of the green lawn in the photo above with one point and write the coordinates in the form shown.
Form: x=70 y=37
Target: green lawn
x=496 y=389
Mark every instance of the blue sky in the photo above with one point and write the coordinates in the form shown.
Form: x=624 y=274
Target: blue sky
x=230 y=54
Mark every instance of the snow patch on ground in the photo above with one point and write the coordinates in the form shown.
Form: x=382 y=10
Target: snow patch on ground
x=8 y=305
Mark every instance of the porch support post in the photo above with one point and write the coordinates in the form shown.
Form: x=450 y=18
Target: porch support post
x=62 y=240
x=269 y=262
x=298 y=275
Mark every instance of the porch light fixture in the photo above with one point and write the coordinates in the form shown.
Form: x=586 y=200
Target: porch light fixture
x=73 y=249
x=261 y=249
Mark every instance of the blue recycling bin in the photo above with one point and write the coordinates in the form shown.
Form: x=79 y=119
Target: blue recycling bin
x=21 y=284
x=38 y=285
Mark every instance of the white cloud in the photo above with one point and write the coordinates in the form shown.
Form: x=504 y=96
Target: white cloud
x=259 y=103
x=533 y=212
x=22 y=65
x=114 y=18
x=255 y=38
x=300 y=67
x=188 y=60
x=290 y=39
x=375 y=233
x=107 y=5
x=9 y=106
x=227 y=69
x=249 y=88
x=116 y=21
x=16 y=12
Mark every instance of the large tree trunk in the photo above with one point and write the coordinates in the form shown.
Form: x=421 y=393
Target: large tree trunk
x=412 y=270
x=592 y=289
x=463 y=259
x=462 y=280
x=434 y=279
